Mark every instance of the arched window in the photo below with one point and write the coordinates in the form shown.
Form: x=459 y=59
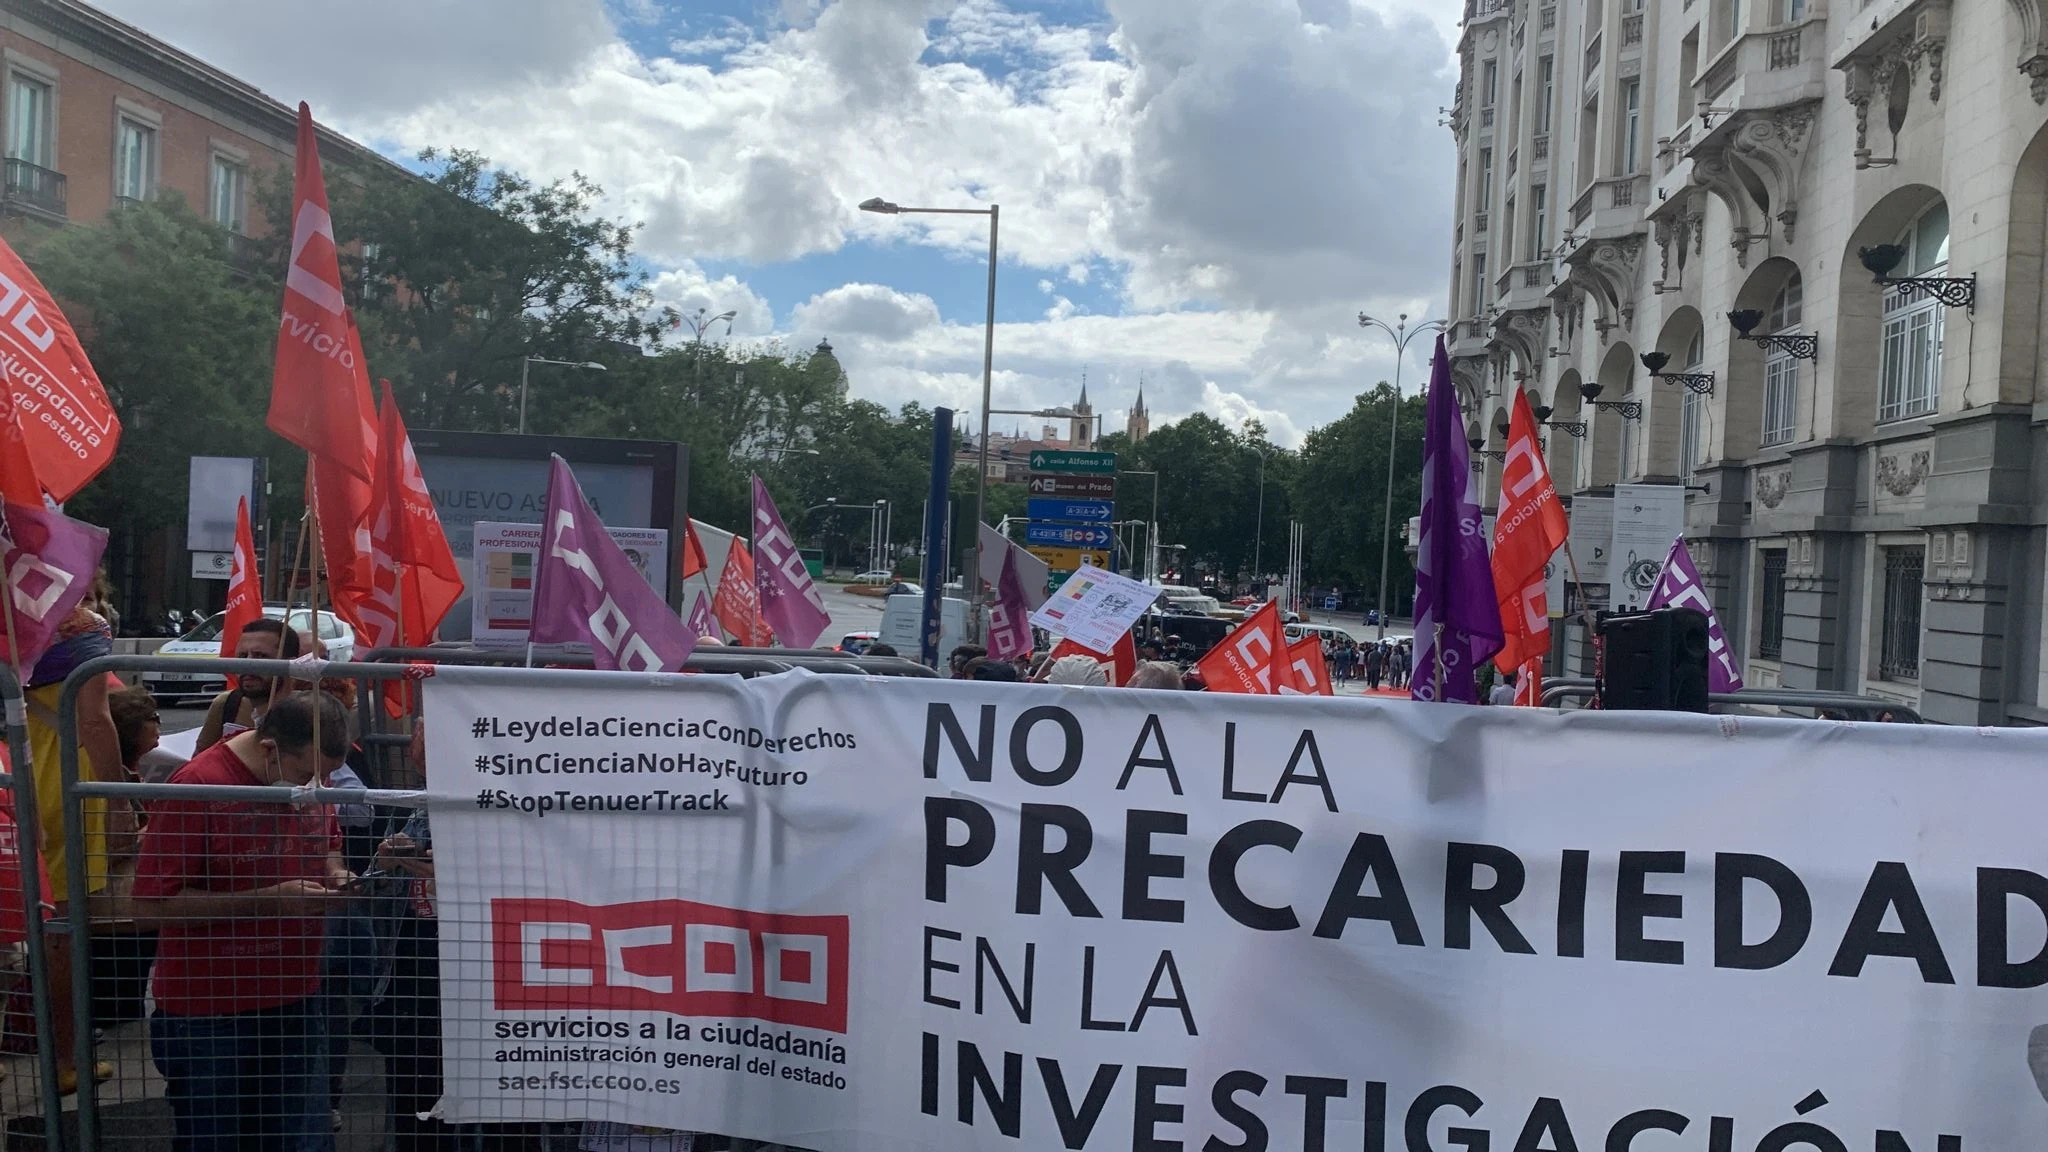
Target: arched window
x=1692 y=413
x=1910 y=358
x=1781 y=371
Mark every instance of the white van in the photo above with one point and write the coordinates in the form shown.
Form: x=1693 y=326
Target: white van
x=1182 y=598
x=900 y=618
x=1327 y=633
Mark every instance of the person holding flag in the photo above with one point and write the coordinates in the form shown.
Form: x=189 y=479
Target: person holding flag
x=1530 y=528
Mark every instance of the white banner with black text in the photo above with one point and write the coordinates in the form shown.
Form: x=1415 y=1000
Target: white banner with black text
x=846 y=913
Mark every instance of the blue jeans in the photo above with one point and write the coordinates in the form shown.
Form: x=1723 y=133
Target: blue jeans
x=250 y=1082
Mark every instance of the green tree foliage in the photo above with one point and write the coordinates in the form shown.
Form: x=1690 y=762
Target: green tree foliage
x=1341 y=489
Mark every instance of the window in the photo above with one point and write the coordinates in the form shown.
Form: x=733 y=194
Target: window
x=1899 y=650
x=1910 y=355
x=1485 y=179
x=1734 y=19
x=1795 y=10
x=1489 y=86
x=1507 y=231
x=1770 y=644
x=134 y=160
x=230 y=186
x=1539 y=219
x=1631 y=125
x=1692 y=413
x=1589 y=139
x=1546 y=72
x=1478 y=279
x=28 y=120
x=1781 y=371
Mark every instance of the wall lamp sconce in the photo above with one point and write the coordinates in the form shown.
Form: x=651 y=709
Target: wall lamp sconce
x=1800 y=346
x=1629 y=409
x=1477 y=440
x=1954 y=291
x=1699 y=382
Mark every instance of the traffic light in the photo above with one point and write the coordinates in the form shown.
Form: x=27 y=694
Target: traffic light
x=1656 y=660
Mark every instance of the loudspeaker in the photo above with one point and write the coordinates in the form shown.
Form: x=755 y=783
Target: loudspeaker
x=1656 y=660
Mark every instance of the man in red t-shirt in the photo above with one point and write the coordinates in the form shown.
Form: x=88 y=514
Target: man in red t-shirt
x=242 y=890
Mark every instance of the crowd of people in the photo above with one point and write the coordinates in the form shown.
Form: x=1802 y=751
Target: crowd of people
x=1374 y=663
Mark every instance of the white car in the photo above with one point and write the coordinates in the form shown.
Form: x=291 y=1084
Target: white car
x=203 y=643
x=876 y=576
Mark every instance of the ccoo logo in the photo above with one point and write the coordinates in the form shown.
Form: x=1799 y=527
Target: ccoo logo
x=673 y=956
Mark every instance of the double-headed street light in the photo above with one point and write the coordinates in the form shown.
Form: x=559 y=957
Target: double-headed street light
x=988 y=355
x=1400 y=334
x=528 y=362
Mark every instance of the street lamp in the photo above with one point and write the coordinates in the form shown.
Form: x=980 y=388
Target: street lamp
x=1400 y=334
x=1152 y=533
x=1259 y=533
x=988 y=358
x=699 y=322
x=527 y=362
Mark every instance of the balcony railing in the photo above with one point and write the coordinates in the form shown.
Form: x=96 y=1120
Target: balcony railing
x=1479 y=224
x=241 y=250
x=1621 y=195
x=1532 y=276
x=1784 y=51
x=1539 y=147
x=1631 y=30
x=1549 y=21
x=1582 y=207
x=1486 y=117
x=33 y=186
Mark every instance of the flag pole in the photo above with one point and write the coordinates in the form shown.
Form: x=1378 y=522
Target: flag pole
x=313 y=610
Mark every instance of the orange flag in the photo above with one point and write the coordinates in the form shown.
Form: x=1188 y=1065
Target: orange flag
x=738 y=603
x=412 y=576
x=245 y=586
x=66 y=421
x=1249 y=659
x=319 y=392
x=1122 y=662
x=1529 y=530
x=1308 y=673
x=692 y=559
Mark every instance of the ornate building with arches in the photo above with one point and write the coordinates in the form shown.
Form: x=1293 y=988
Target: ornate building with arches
x=1791 y=254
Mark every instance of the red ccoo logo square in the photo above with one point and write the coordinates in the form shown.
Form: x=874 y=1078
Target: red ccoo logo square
x=671 y=956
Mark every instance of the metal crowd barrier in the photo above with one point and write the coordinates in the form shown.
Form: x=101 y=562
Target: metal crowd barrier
x=19 y=780
x=375 y=735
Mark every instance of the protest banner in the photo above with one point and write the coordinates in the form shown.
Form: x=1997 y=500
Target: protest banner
x=869 y=914
x=1094 y=608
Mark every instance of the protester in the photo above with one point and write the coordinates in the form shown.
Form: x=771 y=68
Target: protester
x=1375 y=665
x=1155 y=674
x=1503 y=692
x=100 y=601
x=1081 y=671
x=241 y=707
x=960 y=657
x=994 y=671
x=241 y=890
x=880 y=649
x=81 y=637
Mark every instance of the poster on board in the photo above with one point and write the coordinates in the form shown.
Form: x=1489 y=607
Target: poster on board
x=502 y=570
x=1647 y=518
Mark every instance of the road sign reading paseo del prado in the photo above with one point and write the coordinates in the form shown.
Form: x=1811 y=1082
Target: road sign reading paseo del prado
x=1073 y=500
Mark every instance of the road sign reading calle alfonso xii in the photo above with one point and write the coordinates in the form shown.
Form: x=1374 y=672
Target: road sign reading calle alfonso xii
x=1073 y=462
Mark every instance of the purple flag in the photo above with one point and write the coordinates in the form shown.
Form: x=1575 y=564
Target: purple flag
x=701 y=623
x=1009 y=618
x=1680 y=587
x=51 y=559
x=587 y=592
x=1457 y=618
x=789 y=601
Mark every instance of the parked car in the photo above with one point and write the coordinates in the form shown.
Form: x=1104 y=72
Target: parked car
x=875 y=576
x=857 y=643
x=203 y=643
x=906 y=588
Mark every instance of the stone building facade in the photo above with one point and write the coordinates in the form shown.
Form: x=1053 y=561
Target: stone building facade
x=1826 y=222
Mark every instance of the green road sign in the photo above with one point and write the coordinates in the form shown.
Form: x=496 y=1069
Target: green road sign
x=1072 y=462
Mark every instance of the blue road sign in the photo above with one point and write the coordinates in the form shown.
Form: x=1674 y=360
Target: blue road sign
x=1068 y=535
x=1082 y=511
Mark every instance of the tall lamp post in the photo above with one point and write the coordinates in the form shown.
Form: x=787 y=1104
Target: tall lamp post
x=526 y=363
x=988 y=359
x=700 y=323
x=1259 y=533
x=1400 y=334
x=1152 y=530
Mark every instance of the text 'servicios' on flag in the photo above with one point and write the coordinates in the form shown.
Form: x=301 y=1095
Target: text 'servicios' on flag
x=245 y=584
x=1251 y=658
x=789 y=600
x=1009 y=617
x=1457 y=619
x=1679 y=586
x=587 y=591
x=314 y=399
x=49 y=558
x=737 y=605
x=66 y=420
x=1528 y=530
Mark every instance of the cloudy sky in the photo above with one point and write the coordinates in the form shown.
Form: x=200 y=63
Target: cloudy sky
x=1201 y=193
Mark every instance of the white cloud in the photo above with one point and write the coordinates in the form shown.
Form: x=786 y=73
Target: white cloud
x=1246 y=174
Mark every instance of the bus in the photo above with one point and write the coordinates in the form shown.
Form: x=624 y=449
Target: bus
x=814 y=562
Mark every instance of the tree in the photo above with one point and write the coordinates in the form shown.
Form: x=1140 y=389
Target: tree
x=1340 y=489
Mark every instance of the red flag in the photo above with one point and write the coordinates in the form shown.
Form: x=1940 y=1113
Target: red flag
x=1308 y=673
x=692 y=559
x=1249 y=658
x=1122 y=662
x=1529 y=530
x=319 y=393
x=245 y=587
x=738 y=603
x=413 y=579
x=66 y=420
x=341 y=499
x=18 y=481
x=1529 y=684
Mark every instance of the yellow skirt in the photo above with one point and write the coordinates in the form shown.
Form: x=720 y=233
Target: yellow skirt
x=44 y=754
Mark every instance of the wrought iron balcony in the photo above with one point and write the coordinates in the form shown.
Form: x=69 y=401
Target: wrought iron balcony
x=34 y=187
